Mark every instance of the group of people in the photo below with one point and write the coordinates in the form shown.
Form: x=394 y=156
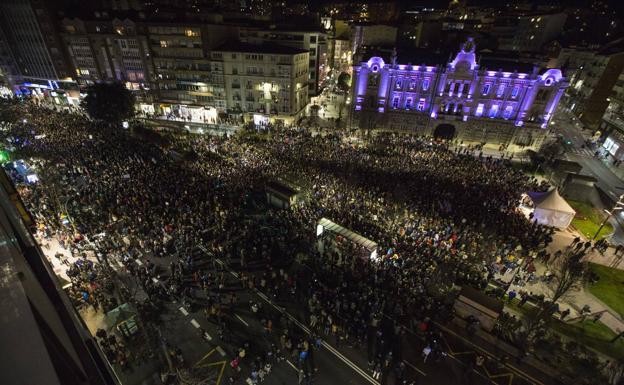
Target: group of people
x=440 y=218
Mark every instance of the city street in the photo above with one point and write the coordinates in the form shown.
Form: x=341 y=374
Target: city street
x=346 y=364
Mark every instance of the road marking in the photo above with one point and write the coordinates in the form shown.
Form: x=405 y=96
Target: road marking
x=221 y=351
x=518 y=371
x=204 y=357
x=195 y=323
x=414 y=367
x=241 y=320
x=292 y=366
x=208 y=337
x=183 y=310
x=154 y=279
x=325 y=344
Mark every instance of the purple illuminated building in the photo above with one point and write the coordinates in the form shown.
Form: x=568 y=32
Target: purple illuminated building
x=458 y=100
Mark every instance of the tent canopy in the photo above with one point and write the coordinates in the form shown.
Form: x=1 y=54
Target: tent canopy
x=550 y=200
x=551 y=209
x=350 y=235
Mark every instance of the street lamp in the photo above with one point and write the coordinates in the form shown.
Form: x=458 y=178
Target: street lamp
x=619 y=205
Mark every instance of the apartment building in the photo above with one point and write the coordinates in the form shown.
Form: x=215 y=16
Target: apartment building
x=593 y=74
x=342 y=54
x=113 y=50
x=186 y=86
x=311 y=40
x=263 y=82
x=527 y=32
x=36 y=53
x=612 y=124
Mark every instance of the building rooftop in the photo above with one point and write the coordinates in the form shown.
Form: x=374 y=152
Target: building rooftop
x=419 y=56
x=260 y=48
x=415 y=56
x=495 y=63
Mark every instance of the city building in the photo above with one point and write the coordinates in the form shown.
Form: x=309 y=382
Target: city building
x=593 y=74
x=382 y=11
x=465 y=98
x=612 y=124
x=185 y=85
x=310 y=39
x=113 y=50
x=527 y=31
x=37 y=55
x=365 y=34
x=263 y=83
x=342 y=54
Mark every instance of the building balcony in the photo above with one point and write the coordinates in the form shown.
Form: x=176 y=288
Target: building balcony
x=236 y=86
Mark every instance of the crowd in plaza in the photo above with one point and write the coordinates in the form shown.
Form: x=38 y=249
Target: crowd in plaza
x=440 y=218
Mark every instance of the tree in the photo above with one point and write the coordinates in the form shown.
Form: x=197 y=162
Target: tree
x=109 y=102
x=569 y=272
x=344 y=81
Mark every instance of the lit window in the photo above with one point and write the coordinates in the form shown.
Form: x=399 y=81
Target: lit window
x=412 y=84
x=163 y=44
x=190 y=33
x=479 y=110
x=514 y=92
x=425 y=85
x=395 y=102
x=507 y=112
x=398 y=84
x=486 y=89
x=421 y=105
x=408 y=103
x=500 y=91
x=493 y=110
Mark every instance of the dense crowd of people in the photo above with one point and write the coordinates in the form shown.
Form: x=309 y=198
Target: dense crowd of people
x=440 y=217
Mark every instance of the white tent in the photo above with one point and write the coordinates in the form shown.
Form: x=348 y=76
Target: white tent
x=551 y=209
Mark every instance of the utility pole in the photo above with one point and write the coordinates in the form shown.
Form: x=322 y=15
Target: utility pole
x=618 y=206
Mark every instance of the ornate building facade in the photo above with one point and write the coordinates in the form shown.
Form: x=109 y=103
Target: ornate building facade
x=457 y=100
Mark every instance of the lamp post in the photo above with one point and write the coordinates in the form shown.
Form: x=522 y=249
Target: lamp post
x=618 y=206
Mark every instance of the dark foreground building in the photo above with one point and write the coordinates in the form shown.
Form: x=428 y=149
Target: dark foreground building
x=43 y=339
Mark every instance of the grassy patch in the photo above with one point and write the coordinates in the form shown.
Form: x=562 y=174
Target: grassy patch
x=588 y=220
x=610 y=287
x=594 y=335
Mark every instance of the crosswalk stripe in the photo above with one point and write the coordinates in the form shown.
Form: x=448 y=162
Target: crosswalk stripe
x=241 y=320
x=293 y=366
